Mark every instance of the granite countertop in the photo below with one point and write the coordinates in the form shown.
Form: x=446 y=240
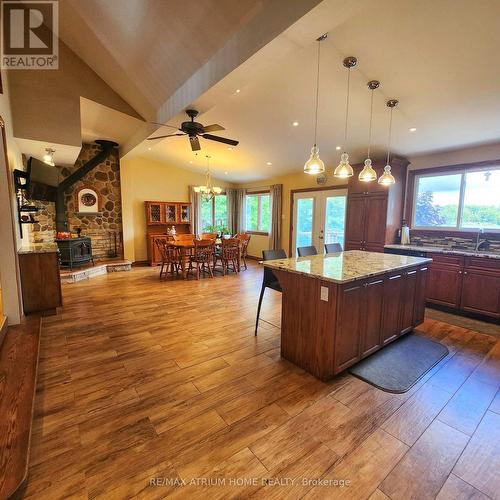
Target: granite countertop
x=346 y=266
x=446 y=250
x=38 y=248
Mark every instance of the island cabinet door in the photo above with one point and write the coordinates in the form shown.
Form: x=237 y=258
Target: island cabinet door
x=355 y=222
x=373 y=300
x=408 y=302
x=393 y=296
x=419 y=309
x=350 y=322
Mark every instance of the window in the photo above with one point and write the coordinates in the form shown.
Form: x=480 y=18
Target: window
x=214 y=214
x=258 y=212
x=462 y=200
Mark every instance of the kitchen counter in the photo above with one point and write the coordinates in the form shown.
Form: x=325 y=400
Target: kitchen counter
x=345 y=267
x=339 y=308
x=445 y=250
x=38 y=248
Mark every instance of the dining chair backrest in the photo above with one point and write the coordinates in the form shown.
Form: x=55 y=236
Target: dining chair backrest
x=168 y=252
x=305 y=251
x=208 y=236
x=245 y=240
x=333 y=247
x=204 y=250
x=230 y=248
x=184 y=237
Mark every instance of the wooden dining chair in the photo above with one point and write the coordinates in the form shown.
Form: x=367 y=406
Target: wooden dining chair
x=208 y=236
x=229 y=255
x=245 y=240
x=170 y=259
x=203 y=257
x=269 y=280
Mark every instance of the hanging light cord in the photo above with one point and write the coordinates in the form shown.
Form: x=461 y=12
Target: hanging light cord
x=370 y=129
x=389 y=138
x=347 y=107
x=317 y=95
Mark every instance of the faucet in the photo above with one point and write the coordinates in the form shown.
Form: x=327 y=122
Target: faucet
x=478 y=241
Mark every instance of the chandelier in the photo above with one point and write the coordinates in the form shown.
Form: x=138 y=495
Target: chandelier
x=208 y=191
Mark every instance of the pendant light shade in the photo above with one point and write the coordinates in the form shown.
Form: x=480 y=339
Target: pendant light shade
x=368 y=174
x=314 y=165
x=387 y=179
x=344 y=169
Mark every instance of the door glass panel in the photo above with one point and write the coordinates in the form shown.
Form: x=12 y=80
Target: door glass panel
x=335 y=219
x=305 y=213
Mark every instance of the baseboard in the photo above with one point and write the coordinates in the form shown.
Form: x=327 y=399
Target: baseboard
x=252 y=257
x=140 y=263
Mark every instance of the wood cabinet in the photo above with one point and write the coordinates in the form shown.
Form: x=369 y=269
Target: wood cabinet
x=374 y=212
x=470 y=284
x=161 y=216
x=326 y=331
x=40 y=282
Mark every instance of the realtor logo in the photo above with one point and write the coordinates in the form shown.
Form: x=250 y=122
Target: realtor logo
x=29 y=35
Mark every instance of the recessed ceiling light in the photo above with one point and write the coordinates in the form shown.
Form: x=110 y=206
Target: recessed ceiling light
x=413 y=129
x=338 y=148
x=268 y=163
x=295 y=124
x=190 y=161
x=149 y=149
x=229 y=148
x=225 y=173
x=238 y=91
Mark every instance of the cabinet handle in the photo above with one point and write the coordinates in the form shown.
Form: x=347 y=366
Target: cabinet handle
x=411 y=272
x=465 y=272
x=459 y=272
x=395 y=277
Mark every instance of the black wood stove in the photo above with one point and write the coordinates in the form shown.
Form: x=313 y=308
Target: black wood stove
x=75 y=251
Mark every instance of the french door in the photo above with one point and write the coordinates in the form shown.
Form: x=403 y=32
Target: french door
x=318 y=218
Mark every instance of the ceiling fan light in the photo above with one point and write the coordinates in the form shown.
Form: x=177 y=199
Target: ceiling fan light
x=315 y=164
x=48 y=157
x=368 y=174
x=387 y=179
x=197 y=189
x=217 y=190
x=344 y=169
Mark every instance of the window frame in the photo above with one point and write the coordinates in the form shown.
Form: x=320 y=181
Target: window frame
x=462 y=170
x=259 y=195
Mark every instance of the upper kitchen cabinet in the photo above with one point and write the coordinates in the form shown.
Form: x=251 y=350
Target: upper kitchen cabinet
x=374 y=212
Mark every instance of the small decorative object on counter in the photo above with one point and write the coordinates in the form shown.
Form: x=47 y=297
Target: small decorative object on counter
x=173 y=232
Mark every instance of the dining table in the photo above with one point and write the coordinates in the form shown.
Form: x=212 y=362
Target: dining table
x=186 y=248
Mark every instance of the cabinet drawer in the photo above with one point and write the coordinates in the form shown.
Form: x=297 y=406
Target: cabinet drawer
x=484 y=263
x=450 y=260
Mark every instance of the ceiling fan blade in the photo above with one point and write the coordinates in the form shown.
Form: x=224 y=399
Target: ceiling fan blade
x=162 y=137
x=195 y=143
x=220 y=139
x=213 y=128
x=164 y=125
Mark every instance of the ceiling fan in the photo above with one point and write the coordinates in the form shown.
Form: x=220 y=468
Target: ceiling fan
x=194 y=130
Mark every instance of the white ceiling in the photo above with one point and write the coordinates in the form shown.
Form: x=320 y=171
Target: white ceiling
x=438 y=57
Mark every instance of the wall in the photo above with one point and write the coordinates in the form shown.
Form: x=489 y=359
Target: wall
x=297 y=180
x=9 y=232
x=144 y=179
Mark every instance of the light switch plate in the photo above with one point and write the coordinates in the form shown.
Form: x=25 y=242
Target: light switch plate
x=324 y=293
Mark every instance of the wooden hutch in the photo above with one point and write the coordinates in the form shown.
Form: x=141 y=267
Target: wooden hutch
x=161 y=216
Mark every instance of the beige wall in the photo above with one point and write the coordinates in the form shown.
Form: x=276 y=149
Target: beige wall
x=9 y=232
x=297 y=180
x=144 y=179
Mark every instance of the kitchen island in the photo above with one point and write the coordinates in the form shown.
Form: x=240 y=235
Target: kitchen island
x=339 y=308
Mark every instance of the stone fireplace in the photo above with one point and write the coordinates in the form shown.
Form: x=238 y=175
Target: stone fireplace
x=92 y=204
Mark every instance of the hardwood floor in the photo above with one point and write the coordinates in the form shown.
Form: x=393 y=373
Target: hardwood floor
x=150 y=389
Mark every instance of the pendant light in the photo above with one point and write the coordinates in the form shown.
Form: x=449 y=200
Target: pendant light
x=368 y=174
x=387 y=178
x=344 y=169
x=314 y=165
x=208 y=191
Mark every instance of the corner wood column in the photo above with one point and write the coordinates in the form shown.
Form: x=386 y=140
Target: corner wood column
x=308 y=323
